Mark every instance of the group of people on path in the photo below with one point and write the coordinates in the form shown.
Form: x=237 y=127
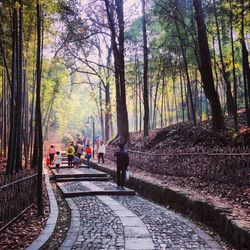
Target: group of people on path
x=75 y=151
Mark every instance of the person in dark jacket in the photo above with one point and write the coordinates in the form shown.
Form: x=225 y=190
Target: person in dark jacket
x=122 y=162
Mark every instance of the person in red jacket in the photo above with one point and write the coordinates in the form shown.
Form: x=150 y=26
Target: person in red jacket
x=88 y=155
x=52 y=152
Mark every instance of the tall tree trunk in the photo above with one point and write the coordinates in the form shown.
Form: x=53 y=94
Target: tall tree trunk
x=230 y=100
x=186 y=97
x=182 y=94
x=12 y=134
x=107 y=98
x=155 y=104
x=167 y=106
x=6 y=116
x=3 y=54
x=200 y=103
x=101 y=109
x=136 y=94
x=234 y=73
x=206 y=69
x=107 y=111
x=2 y=113
x=145 y=72
x=124 y=122
x=189 y=90
x=19 y=100
x=162 y=98
x=31 y=125
x=174 y=96
x=25 y=132
x=215 y=66
x=245 y=65
x=140 y=106
x=38 y=147
x=118 y=52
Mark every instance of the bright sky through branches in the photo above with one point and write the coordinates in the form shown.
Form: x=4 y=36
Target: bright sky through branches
x=132 y=8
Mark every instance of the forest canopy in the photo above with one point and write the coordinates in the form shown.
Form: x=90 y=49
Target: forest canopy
x=132 y=65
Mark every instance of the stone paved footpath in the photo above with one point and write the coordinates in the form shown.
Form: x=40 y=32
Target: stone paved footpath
x=128 y=222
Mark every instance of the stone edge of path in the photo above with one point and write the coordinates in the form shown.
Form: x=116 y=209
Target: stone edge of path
x=218 y=218
x=51 y=222
x=74 y=226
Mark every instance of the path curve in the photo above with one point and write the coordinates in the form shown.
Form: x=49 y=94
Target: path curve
x=128 y=222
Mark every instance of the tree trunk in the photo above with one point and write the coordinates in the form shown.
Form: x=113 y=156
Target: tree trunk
x=25 y=132
x=107 y=99
x=38 y=147
x=230 y=100
x=2 y=113
x=145 y=72
x=140 y=106
x=189 y=90
x=155 y=105
x=175 y=101
x=182 y=95
x=234 y=73
x=19 y=99
x=215 y=67
x=136 y=95
x=167 y=105
x=118 y=52
x=162 y=99
x=245 y=65
x=124 y=113
x=12 y=135
x=200 y=103
x=101 y=109
x=31 y=130
x=206 y=69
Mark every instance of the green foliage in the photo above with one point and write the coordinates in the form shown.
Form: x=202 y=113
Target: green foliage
x=66 y=139
x=134 y=33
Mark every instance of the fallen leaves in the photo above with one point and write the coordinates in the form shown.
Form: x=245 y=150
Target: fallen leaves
x=22 y=232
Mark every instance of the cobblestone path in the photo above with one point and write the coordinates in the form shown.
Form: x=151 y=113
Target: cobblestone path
x=128 y=222
x=100 y=228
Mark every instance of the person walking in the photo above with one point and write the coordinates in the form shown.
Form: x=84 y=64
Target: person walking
x=79 y=150
x=52 y=152
x=58 y=160
x=122 y=162
x=76 y=161
x=70 y=152
x=88 y=155
x=101 y=151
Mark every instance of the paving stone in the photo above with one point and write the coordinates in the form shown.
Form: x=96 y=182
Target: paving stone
x=136 y=232
x=126 y=213
x=132 y=221
x=137 y=244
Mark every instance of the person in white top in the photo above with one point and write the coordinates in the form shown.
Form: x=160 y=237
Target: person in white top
x=58 y=160
x=101 y=152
